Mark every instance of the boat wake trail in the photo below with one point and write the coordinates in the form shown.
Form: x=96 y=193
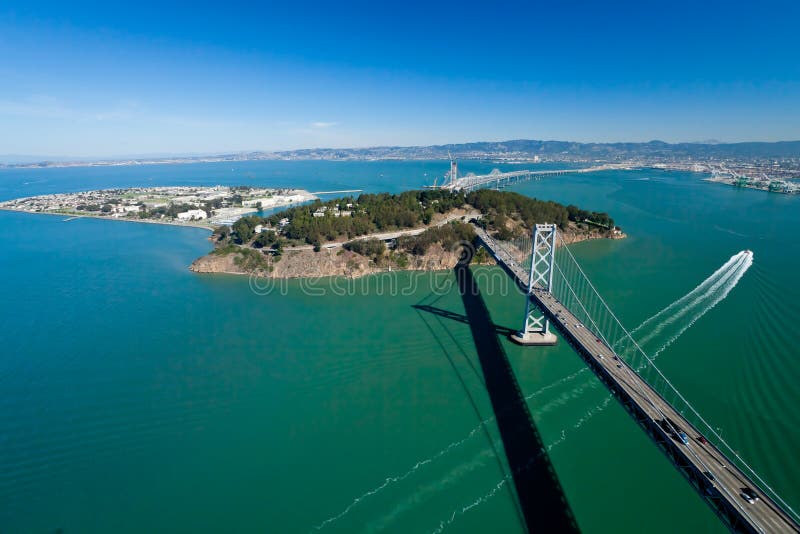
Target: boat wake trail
x=669 y=324
x=663 y=329
x=691 y=306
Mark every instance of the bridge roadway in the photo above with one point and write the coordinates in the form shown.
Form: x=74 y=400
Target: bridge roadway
x=694 y=459
x=470 y=182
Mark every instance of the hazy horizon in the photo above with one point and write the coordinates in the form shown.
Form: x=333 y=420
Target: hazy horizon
x=36 y=158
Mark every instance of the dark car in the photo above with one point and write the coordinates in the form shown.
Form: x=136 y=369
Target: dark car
x=709 y=475
x=749 y=495
x=673 y=430
x=702 y=440
x=664 y=424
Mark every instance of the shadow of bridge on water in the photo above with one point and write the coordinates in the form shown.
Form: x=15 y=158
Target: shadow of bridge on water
x=539 y=493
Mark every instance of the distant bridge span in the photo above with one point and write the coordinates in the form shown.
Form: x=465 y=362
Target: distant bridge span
x=498 y=180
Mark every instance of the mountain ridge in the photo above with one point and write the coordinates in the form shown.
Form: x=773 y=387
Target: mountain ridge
x=552 y=150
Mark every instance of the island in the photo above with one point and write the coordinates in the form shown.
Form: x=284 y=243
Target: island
x=351 y=236
x=208 y=207
x=412 y=230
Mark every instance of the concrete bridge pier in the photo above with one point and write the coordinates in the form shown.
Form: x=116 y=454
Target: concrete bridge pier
x=534 y=338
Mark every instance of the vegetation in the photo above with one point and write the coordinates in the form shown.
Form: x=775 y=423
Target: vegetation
x=509 y=214
x=266 y=238
x=399 y=258
x=592 y=217
x=245 y=257
x=481 y=256
x=88 y=207
x=225 y=250
x=448 y=236
x=366 y=247
x=222 y=233
x=505 y=214
x=498 y=206
x=244 y=229
x=344 y=218
x=251 y=260
x=170 y=211
x=368 y=213
x=211 y=205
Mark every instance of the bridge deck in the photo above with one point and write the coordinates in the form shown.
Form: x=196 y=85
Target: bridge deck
x=470 y=182
x=648 y=408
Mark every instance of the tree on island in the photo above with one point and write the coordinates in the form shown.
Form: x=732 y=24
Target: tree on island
x=598 y=218
x=265 y=239
x=505 y=214
x=222 y=233
x=243 y=230
x=366 y=247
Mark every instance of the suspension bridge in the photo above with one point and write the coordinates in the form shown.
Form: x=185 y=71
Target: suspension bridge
x=499 y=180
x=559 y=293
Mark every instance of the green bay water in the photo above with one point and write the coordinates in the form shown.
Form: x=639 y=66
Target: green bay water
x=138 y=396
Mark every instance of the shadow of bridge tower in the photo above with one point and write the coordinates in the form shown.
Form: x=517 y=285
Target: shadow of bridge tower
x=541 y=497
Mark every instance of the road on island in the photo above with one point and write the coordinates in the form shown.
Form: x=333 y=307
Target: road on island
x=386 y=236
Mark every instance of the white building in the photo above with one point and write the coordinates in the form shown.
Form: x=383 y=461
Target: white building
x=274 y=200
x=192 y=215
x=253 y=202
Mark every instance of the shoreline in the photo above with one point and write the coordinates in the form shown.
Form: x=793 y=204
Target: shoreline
x=574 y=239
x=206 y=207
x=335 y=262
x=333 y=259
x=754 y=187
x=73 y=216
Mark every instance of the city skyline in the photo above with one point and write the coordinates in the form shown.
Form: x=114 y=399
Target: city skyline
x=94 y=81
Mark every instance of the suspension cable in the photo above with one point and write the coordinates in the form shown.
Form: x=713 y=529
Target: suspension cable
x=649 y=361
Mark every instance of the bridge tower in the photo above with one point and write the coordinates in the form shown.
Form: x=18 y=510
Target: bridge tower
x=536 y=327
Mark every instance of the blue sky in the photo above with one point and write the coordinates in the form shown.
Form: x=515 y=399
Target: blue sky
x=97 y=79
